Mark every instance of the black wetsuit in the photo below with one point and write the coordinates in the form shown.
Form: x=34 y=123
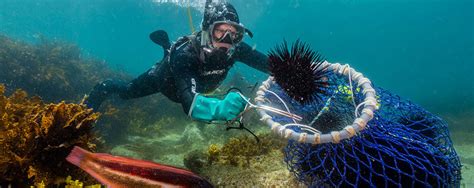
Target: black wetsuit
x=183 y=73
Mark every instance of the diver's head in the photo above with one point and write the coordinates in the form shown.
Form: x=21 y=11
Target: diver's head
x=221 y=27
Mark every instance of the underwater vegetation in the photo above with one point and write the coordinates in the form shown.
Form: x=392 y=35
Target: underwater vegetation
x=242 y=162
x=144 y=116
x=54 y=70
x=35 y=138
x=236 y=151
x=57 y=71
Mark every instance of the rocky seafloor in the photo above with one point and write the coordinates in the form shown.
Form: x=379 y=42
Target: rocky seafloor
x=178 y=144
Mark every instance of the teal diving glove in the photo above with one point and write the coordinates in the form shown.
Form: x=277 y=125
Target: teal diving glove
x=212 y=109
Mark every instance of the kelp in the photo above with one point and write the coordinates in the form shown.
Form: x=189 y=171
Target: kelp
x=36 y=137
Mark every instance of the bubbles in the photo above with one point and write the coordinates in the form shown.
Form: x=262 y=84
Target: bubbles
x=196 y=4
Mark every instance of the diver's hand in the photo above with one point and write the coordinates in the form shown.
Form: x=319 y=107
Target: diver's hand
x=212 y=109
x=230 y=107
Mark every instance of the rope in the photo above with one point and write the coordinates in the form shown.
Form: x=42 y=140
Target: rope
x=282 y=101
x=190 y=18
x=352 y=89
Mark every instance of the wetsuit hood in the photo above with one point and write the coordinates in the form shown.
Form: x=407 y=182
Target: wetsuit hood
x=217 y=13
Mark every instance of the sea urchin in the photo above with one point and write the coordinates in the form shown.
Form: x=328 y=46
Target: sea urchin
x=299 y=71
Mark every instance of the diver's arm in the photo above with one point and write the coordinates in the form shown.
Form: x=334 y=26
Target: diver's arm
x=184 y=78
x=251 y=57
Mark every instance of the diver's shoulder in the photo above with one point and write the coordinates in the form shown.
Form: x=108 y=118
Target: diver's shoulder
x=183 y=47
x=184 y=55
x=243 y=46
x=183 y=43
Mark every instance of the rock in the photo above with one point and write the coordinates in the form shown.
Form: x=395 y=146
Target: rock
x=191 y=135
x=195 y=160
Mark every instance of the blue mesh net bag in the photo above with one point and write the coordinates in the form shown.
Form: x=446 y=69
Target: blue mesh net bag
x=344 y=132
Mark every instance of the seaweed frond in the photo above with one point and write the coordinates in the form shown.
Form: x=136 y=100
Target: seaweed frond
x=36 y=137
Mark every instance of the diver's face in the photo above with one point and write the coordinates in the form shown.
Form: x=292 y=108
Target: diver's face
x=219 y=32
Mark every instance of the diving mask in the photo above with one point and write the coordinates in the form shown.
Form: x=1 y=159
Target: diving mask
x=227 y=35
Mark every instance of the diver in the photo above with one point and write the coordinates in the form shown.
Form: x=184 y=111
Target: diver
x=192 y=66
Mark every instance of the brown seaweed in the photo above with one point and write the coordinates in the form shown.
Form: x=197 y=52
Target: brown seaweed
x=238 y=151
x=36 y=137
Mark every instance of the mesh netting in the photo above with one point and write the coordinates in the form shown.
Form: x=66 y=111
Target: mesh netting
x=403 y=145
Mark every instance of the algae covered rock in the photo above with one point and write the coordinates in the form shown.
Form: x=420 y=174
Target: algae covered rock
x=238 y=151
x=191 y=134
x=195 y=160
x=242 y=162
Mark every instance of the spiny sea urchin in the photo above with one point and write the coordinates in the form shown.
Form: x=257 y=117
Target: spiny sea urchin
x=298 y=71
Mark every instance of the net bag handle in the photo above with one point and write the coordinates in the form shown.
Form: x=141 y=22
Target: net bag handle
x=359 y=123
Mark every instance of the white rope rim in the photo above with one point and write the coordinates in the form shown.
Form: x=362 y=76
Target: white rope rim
x=359 y=123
